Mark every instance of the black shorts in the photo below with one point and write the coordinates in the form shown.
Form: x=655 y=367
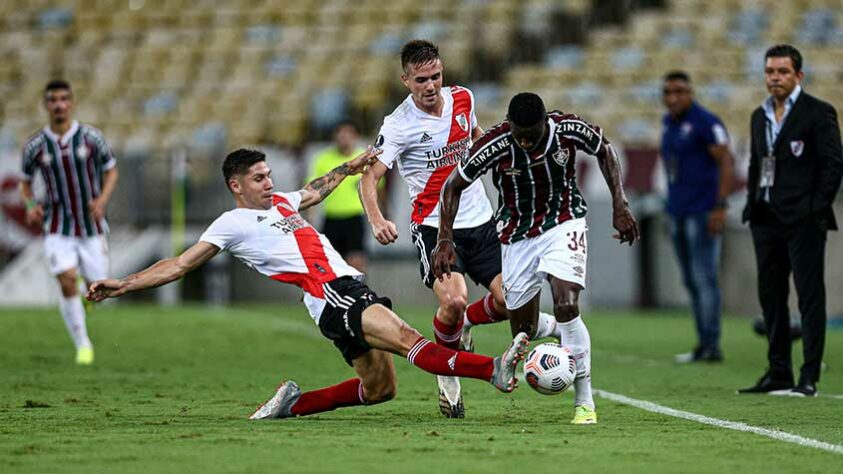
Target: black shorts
x=346 y=235
x=478 y=252
x=342 y=318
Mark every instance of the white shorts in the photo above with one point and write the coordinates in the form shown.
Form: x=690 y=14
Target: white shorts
x=88 y=254
x=560 y=252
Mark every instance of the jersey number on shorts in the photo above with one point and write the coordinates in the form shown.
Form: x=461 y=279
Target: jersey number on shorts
x=577 y=241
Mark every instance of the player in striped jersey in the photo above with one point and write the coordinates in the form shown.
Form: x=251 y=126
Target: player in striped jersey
x=426 y=136
x=80 y=174
x=266 y=232
x=540 y=219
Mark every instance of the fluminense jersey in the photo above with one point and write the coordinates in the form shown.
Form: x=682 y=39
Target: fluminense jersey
x=535 y=194
x=427 y=148
x=280 y=244
x=71 y=167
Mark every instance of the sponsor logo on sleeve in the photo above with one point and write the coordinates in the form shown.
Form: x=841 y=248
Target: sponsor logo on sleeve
x=581 y=132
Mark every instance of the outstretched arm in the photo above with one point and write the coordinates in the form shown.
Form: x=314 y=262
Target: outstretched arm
x=449 y=204
x=317 y=190
x=622 y=220
x=160 y=273
x=385 y=231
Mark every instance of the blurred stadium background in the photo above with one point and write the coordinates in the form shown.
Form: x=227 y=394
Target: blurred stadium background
x=174 y=84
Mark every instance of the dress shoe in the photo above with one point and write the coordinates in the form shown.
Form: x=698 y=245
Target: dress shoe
x=769 y=383
x=699 y=354
x=805 y=388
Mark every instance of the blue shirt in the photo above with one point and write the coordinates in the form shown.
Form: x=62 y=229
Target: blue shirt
x=692 y=173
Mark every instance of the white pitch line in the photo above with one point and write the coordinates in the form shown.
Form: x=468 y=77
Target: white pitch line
x=732 y=425
x=647 y=362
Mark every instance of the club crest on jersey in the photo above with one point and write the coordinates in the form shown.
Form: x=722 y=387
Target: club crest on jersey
x=46 y=159
x=797 y=147
x=82 y=152
x=462 y=121
x=561 y=156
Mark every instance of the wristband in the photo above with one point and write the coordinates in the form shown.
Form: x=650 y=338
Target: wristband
x=446 y=240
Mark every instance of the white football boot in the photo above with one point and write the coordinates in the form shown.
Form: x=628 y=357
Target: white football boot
x=450 y=397
x=281 y=404
x=503 y=376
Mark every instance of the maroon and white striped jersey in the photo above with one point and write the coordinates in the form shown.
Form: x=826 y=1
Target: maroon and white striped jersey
x=427 y=148
x=280 y=244
x=536 y=193
x=72 y=167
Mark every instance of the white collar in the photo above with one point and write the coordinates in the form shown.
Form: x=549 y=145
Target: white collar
x=64 y=139
x=791 y=99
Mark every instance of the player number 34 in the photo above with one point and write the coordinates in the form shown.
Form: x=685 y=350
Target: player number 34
x=577 y=241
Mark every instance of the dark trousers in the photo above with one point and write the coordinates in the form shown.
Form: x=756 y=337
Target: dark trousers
x=780 y=249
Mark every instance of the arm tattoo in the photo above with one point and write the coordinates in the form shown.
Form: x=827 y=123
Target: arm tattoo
x=323 y=185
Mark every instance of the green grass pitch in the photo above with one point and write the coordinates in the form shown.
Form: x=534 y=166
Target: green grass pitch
x=172 y=387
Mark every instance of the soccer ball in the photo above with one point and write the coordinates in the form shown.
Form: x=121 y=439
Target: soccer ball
x=550 y=368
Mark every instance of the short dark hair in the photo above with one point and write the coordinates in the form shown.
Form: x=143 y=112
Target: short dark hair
x=239 y=161
x=57 y=84
x=785 y=51
x=526 y=109
x=347 y=123
x=418 y=52
x=677 y=76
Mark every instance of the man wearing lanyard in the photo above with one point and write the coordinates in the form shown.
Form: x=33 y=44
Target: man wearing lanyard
x=796 y=164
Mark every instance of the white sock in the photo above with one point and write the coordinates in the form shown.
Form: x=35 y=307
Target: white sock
x=546 y=326
x=74 y=318
x=576 y=338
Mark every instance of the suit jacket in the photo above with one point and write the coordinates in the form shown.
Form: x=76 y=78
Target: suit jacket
x=809 y=163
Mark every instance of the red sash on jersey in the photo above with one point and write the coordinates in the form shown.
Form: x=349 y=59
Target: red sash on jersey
x=427 y=200
x=319 y=270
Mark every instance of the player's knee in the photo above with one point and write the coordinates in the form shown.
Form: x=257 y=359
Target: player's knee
x=68 y=286
x=452 y=308
x=565 y=310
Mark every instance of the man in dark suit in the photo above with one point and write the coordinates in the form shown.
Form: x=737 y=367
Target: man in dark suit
x=795 y=168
